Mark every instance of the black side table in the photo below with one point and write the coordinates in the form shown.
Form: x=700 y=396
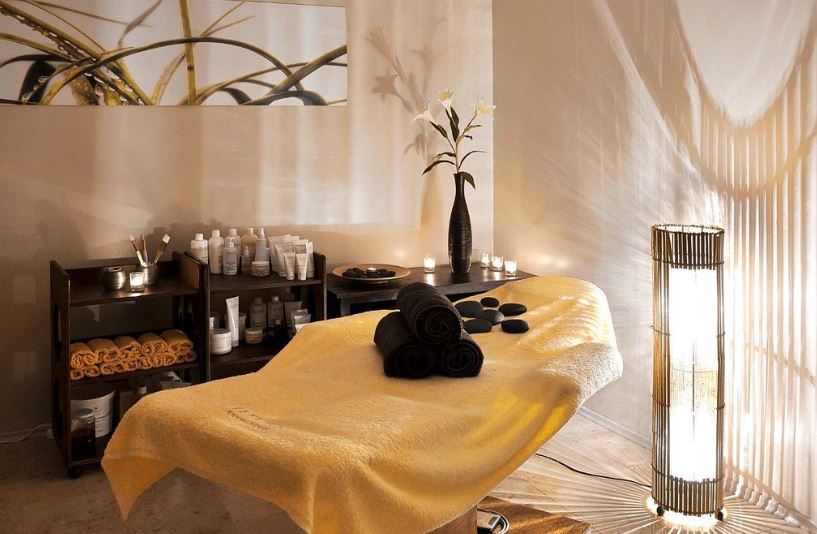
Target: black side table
x=345 y=294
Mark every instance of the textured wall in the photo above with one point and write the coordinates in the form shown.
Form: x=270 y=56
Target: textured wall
x=76 y=181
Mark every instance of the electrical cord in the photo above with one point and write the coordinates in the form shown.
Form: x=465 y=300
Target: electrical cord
x=26 y=435
x=579 y=471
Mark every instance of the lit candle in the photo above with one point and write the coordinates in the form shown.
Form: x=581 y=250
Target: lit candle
x=497 y=263
x=485 y=261
x=137 y=281
x=429 y=263
x=510 y=267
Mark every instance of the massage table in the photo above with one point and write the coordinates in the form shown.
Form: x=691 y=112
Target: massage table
x=323 y=434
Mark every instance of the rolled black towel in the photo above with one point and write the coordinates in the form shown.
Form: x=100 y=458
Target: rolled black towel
x=432 y=318
x=461 y=358
x=404 y=356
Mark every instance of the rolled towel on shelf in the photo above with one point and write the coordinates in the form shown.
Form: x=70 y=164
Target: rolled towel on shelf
x=168 y=358
x=461 y=359
x=131 y=364
x=81 y=355
x=76 y=374
x=430 y=316
x=128 y=347
x=144 y=363
x=157 y=360
x=91 y=371
x=190 y=356
x=104 y=349
x=177 y=341
x=107 y=368
x=152 y=344
x=404 y=356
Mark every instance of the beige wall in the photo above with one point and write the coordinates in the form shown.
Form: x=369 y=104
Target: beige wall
x=585 y=162
x=76 y=181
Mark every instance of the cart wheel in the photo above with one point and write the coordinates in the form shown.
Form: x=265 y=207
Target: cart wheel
x=74 y=472
x=660 y=511
x=719 y=515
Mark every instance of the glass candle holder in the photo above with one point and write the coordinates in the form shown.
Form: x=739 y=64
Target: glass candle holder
x=485 y=260
x=510 y=267
x=429 y=264
x=497 y=263
x=137 y=281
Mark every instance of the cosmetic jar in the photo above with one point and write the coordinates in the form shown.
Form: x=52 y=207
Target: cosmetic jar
x=253 y=335
x=114 y=278
x=221 y=341
x=260 y=268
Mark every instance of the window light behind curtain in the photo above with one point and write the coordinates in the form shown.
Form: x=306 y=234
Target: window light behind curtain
x=763 y=171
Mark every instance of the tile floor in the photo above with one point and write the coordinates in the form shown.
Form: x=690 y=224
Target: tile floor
x=35 y=496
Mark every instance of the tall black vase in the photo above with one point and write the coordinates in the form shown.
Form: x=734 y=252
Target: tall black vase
x=459 y=230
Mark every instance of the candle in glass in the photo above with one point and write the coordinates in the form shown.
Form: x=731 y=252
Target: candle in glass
x=485 y=261
x=510 y=267
x=137 y=281
x=429 y=263
x=497 y=263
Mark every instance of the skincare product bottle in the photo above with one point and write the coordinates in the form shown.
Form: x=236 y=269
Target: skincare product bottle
x=230 y=260
x=246 y=262
x=275 y=312
x=301 y=264
x=198 y=247
x=258 y=313
x=289 y=264
x=232 y=319
x=261 y=250
x=216 y=251
x=234 y=238
x=249 y=239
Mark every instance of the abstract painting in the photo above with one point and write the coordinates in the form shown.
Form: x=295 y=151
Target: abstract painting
x=171 y=52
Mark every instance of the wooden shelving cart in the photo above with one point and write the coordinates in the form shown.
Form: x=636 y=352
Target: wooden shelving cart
x=248 y=358
x=183 y=284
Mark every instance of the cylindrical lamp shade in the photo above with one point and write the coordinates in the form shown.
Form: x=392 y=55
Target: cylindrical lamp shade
x=688 y=369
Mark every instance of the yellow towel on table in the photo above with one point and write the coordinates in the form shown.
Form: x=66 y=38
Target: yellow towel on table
x=81 y=355
x=322 y=433
x=177 y=341
x=105 y=350
x=152 y=344
x=128 y=347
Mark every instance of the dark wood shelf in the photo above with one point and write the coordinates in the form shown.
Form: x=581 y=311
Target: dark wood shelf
x=242 y=283
x=85 y=294
x=248 y=354
x=118 y=377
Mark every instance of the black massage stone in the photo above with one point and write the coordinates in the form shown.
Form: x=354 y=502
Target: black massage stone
x=510 y=309
x=515 y=326
x=489 y=302
x=469 y=308
x=478 y=326
x=492 y=316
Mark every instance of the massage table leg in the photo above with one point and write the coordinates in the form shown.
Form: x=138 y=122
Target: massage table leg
x=464 y=524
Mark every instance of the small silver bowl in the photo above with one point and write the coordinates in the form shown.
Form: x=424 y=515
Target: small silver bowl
x=114 y=278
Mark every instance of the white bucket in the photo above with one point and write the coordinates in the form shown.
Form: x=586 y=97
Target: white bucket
x=99 y=398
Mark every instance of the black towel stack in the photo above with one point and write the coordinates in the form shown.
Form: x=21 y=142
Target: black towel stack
x=426 y=336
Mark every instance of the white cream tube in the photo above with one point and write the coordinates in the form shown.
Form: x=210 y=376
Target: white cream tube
x=289 y=264
x=301 y=263
x=232 y=318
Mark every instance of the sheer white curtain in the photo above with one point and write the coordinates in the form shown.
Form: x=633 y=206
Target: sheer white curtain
x=736 y=83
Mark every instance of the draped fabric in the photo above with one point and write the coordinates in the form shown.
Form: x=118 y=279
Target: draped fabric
x=763 y=169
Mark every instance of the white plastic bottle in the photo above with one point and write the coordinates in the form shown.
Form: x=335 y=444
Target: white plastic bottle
x=198 y=248
x=230 y=267
x=261 y=252
x=216 y=250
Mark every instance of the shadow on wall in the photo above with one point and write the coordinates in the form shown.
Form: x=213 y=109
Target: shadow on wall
x=633 y=132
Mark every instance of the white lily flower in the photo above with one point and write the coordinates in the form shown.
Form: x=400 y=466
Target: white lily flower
x=424 y=114
x=481 y=108
x=446 y=98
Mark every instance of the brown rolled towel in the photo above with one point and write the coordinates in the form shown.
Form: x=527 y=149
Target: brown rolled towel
x=91 y=371
x=81 y=355
x=177 y=358
x=105 y=350
x=152 y=344
x=107 y=368
x=168 y=358
x=461 y=358
x=119 y=367
x=128 y=346
x=131 y=364
x=76 y=374
x=144 y=363
x=430 y=316
x=190 y=357
x=177 y=341
x=157 y=360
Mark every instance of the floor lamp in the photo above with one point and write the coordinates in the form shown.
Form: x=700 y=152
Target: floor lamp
x=687 y=452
